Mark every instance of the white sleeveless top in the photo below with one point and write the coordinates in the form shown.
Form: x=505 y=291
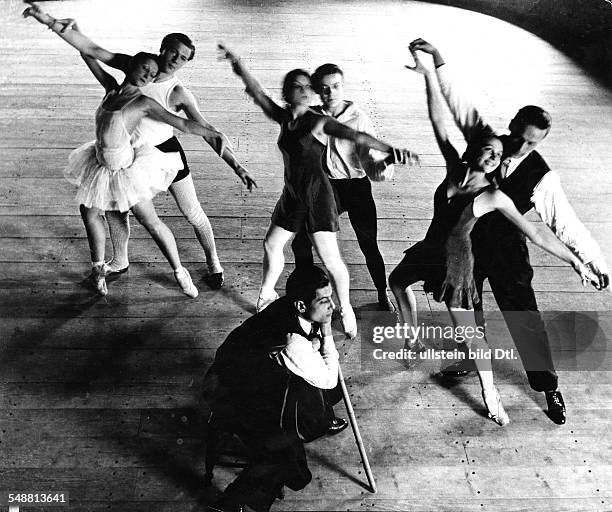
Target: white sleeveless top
x=149 y=131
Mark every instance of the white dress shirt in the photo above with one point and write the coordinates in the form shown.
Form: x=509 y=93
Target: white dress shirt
x=548 y=198
x=314 y=361
x=346 y=160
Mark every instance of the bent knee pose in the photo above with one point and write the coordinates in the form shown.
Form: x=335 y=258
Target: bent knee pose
x=307 y=201
x=444 y=259
x=175 y=51
x=110 y=173
x=498 y=245
x=350 y=169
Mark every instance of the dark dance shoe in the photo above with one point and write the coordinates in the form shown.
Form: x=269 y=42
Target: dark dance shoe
x=457 y=370
x=336 y=426
x=384 y=302
x=556 y=406
x=214 y=281
x=495 y=409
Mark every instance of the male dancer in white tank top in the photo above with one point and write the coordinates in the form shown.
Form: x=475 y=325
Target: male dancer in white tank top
x=175 y=51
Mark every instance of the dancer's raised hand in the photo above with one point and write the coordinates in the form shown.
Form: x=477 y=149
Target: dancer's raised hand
x=422 y=45
x=224 y=53
x=418 y=67
x=34 y=11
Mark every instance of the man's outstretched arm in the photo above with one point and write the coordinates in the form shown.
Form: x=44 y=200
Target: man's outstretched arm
x=186 y=102
x=552 y=205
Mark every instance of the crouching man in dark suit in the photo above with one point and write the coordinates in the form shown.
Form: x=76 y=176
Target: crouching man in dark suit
x=273 y=383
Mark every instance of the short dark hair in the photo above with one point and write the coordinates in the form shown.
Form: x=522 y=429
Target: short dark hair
x=290 y=77
x=533 y=115
x=181 y=38
x=324 y=70
x=303 y=283
x=141 y=56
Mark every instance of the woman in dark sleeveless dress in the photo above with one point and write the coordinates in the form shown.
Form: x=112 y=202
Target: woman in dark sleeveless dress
x=444 y=259
x=307 y=200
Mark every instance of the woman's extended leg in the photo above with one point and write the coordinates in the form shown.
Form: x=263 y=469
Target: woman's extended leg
x=326 y=244
x=273 y=264
x=96 y=236
x=184 y=194
x=119 y=229
x=147 y=216
x=477 y=343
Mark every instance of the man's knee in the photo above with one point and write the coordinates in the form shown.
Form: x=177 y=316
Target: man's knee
x=196 y=216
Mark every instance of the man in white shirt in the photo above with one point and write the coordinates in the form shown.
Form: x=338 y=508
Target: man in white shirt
x=500 y=252
x=273 y=382
x=350 y=169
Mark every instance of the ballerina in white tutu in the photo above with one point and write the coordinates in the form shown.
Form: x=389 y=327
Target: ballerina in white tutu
x=110 y=173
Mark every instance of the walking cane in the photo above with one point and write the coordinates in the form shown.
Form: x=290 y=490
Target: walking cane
x=353 y=420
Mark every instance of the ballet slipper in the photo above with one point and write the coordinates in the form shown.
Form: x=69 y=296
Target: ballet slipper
x=263 y=302
x=184 y=281
x=98 y=279
x=349 y=322
x=495 y=409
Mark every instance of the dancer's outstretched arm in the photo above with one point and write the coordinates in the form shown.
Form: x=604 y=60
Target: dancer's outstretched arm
x=186 y=102
x=497 y=200
x=330 y=126
x=436 y=115
x=76 y=39
x=106 y=79
x=272 y=109
x=466 y=115
x=154 y=110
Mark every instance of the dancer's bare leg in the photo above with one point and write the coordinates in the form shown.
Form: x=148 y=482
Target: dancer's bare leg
x=147 y=216
x=465 y=318
x=326 y=244
x=273 y=263
x=119 y=229
x=96 y=236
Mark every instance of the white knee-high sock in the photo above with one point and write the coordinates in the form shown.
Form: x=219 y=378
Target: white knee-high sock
x=186 y=199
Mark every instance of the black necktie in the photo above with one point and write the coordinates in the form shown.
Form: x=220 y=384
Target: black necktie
x=314 y=332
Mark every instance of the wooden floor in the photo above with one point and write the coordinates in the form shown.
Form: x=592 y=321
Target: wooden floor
x=99 y=395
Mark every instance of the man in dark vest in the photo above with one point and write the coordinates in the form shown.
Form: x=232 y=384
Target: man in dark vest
x=273 y=383
x=500 y=251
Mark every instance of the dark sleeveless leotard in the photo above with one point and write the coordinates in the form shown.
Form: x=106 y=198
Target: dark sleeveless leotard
x=444 y=259
x=307 y=201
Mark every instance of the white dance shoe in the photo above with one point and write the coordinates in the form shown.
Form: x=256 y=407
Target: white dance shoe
x=495 y=409
x=184 y=281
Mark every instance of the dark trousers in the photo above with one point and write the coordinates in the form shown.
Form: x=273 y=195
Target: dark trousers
x=355 y=197
x=511 y=286
x=276 y=453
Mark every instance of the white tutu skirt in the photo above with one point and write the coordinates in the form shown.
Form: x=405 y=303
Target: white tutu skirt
x=150 y=173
